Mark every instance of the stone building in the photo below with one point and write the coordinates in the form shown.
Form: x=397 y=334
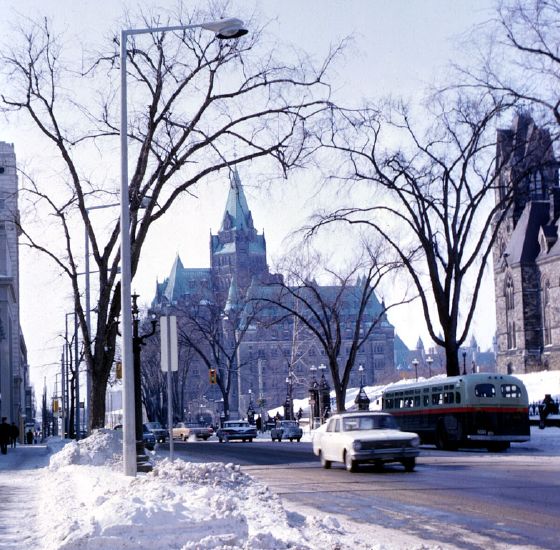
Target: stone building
x=16 y=399
x=276 y=357
x=527 y=251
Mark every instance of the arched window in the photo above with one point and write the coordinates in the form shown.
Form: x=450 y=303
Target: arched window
x=509 y=293
x=546 y=313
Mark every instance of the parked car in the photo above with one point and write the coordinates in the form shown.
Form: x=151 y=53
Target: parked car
x=286 y=429
x=148 y=437
x=236 y=429
x=158 y=430
x=355 y=438
x=184 y=430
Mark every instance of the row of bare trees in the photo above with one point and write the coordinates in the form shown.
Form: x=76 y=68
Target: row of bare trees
x=201 y=105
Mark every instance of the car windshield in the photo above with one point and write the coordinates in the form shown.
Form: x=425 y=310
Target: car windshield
x=153 y=426
x=289 y=424
x=373 y=422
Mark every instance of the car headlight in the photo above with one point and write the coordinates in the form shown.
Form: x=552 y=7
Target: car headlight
x=415 y=442
x=357 y=445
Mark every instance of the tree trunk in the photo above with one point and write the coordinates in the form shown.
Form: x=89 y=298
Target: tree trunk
x=453 y=367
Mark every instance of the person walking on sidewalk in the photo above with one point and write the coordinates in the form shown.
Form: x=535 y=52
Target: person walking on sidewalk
x=4 y=436
x=14 y=434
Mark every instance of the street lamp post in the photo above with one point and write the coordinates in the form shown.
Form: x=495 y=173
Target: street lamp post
x=464 y=362
x=142 y=461
x=415 y=363
x=324 y=395
x=313 y=398
x=429 y=361
x=362 y=400
x=224 y=29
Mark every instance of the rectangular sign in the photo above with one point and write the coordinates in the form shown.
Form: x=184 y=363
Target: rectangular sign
x=168 y=337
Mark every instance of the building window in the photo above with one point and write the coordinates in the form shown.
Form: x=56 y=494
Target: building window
x=509 y=292
x=546 y=316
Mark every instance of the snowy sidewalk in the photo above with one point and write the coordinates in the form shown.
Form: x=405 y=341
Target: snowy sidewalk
x=19 y=479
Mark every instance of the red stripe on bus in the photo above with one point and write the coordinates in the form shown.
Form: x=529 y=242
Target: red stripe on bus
x=448 y=410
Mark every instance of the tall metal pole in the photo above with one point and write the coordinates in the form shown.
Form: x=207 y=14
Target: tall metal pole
x=88 y=325
x=77 y=366
x=129 y=425
x=62 y=401
x=169 y=392
x=225 y=29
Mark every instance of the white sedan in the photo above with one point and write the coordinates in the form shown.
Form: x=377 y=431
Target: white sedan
x=365 y=437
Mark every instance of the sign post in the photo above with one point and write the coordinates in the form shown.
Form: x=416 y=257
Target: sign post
x=169 y=363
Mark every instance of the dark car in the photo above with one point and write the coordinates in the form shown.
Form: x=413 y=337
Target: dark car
x=147 y=436
x=158 y=430
x=236 y=429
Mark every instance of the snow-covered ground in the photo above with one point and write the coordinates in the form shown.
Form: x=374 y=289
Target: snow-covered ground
x=80 y=499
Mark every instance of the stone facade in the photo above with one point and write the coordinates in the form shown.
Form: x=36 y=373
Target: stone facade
x=269 y=353
x=16 y=397
x=527 y=251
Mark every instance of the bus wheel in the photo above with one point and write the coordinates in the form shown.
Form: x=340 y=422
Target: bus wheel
x=442 y=439
x=498 y=447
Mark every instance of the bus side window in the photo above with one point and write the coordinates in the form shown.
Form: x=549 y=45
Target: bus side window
x=448 y=397
x=437 y=399
x=511 y=391
x=484 y=390
x=426 y=400
x=416 y=400
x=457 y=397
x=389 y=403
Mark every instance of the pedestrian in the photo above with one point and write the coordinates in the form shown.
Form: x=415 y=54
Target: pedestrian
x=547 y=407
x=14 y=434
x=29 y=437
x=4 y=436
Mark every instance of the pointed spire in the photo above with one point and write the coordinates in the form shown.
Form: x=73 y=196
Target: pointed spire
x=232 y=303
x=237 y=214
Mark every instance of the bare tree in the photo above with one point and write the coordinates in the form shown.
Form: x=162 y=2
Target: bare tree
x=433 y=198
x=341 y=316
x=200 y=105
x=519 y=55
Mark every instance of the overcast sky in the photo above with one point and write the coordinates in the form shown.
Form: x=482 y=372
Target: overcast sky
x=399 y=47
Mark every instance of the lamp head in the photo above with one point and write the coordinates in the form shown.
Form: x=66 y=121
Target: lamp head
x=226 y=29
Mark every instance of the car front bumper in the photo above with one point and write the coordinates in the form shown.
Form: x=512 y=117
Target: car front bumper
x=394 y=454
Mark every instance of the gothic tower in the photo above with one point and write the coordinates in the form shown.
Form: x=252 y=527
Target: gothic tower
x=527 y=251
x=237 y=248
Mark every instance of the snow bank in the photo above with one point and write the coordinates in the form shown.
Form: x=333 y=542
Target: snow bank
x=178 y=505
x=104 y=447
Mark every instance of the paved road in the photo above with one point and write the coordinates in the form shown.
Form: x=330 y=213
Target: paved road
x=469 y=499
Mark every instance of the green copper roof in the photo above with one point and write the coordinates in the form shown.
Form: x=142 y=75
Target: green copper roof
x=237 y=214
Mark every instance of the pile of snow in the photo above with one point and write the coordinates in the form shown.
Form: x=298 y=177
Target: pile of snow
x=103 y=447
x=178 y=505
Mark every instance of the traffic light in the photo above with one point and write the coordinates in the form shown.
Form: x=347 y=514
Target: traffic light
x=118 y=370
x=55 y=405
x=213 y=376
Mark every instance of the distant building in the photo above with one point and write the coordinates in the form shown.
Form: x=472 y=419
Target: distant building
x=16 y=398
x=527 y=251
x=269 y=353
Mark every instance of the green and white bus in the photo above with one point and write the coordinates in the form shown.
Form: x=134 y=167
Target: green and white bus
x=482 y=410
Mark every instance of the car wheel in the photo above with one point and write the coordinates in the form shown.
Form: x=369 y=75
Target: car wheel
x=184 y=438
x=291 y=439
x=349 y=462
x=251 y=440
x=324 y=462
x=279 y=439
x=498 y=447
x=409 y=464
x=220 y=440
x=298 y=439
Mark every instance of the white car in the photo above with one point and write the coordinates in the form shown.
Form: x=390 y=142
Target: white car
x=365 y=437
